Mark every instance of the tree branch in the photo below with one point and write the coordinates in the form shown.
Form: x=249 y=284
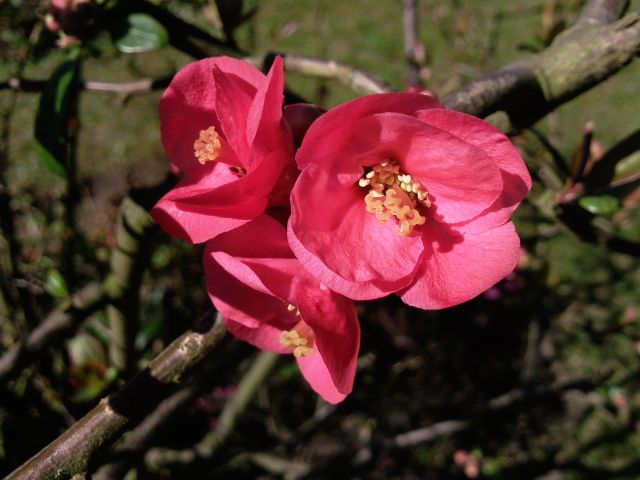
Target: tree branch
x=602 y=11
x=128 y=260
x=577 y=60
x=72 y=452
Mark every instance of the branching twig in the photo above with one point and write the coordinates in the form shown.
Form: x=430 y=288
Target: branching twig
x=72 y=452
x=255 y=377
x=63 y=321
x=57 y=324
x=495 y=406
x=160 y=419
x=7 y=217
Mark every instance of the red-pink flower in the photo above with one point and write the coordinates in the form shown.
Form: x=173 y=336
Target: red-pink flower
x=221 y=125
x=267 y=299
x=399 y=195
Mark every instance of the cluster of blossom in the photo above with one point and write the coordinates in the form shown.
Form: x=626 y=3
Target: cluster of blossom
x=71 y=20
x=303 y=213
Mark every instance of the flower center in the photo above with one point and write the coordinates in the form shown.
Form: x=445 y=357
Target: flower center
x=301 y=338
x=207 y=147
x=393 y=193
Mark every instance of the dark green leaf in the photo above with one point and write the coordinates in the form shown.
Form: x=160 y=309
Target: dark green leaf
x=600 y=205
x=55 y=111
x=140 y=32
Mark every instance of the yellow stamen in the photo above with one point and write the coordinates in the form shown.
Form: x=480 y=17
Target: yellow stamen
x=207 y=146
x=293 y=309
x=393 y=193
x=300 y=339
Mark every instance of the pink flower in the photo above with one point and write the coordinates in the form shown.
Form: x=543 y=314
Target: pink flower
x=399 y=195
x=221 y=125
x=267 y=299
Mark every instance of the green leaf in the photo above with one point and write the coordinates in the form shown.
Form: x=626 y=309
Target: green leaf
x=56 y=108
x=616 y=162
x=600 y=205
x=84 y=349
x=628 y=167
x=140 y=32
x=56 y=284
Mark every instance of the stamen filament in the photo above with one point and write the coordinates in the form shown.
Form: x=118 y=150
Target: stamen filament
x=393 y=193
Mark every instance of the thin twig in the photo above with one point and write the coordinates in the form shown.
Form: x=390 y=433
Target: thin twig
x=496 y=405
x=358 y=80
x=411 y=41
x=251 y=382
x=135 y=87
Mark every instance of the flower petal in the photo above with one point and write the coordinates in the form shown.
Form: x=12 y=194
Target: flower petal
x=328 y=135
x=258 y=255
x=462 y=179
x=252 y=282
x=343 y=245
x=458 y=268
x=334 y=321
x=264 y=336
x=515 y=176
x=189 y=105
x=264 y=129
x=237 y=301
x=315 y=371
x=233 y=101
x=184 y=213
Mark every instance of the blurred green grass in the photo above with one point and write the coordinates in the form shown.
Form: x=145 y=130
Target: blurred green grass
x=462 y=39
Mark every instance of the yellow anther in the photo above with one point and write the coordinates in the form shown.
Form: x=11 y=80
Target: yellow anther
x=302 y=345
x=291 y=338
x=393 y=193
x=302 y=352
x=207 y=146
